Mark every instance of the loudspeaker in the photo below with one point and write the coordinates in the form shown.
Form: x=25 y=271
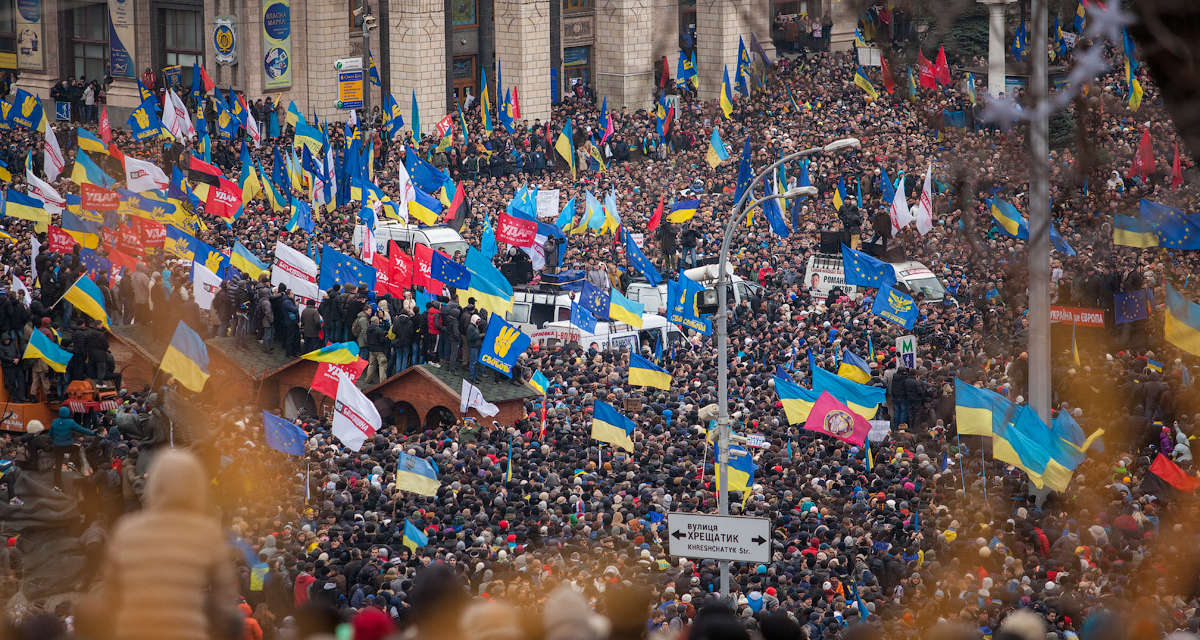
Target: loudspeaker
x=873 y=249
x=832 y=241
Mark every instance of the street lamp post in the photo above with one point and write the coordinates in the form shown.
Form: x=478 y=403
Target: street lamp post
x=723 y=320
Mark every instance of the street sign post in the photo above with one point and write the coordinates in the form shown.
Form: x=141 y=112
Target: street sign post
x=906 y=351
x=698 y=535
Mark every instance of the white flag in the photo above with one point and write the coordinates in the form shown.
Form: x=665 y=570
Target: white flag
x=181 y=113
x=251 y=124
x=407 y=191
x=296 y=270
x=472 y=398
x=205 y=285
x=171 y=120
x=899 y=212
x=20 y=287
x=924 y=217
x=43 y=191
x=144 y=176
x=354 y=415
x=35 y=248
x=52 y=156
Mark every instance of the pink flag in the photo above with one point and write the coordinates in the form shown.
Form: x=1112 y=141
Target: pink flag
x=833 y=418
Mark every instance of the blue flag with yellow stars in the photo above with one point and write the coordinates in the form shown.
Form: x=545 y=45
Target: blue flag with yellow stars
x=863 y=270
x=282 y=435
x=449 y=272
x=582 y=318
x=897 y=306
x=339 y=268
x=594 y=300
x=744 y=176
x=1175 y=229
x=638 y=261
x=1132 y=306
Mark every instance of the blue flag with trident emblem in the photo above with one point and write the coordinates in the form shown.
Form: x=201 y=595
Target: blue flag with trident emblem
x=502 y=345
x=896 y=306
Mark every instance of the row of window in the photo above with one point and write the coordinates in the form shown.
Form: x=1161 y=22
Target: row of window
x=180 y=36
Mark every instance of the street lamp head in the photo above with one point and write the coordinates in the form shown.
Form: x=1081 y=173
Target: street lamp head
x=844 y=143
x=796 y=192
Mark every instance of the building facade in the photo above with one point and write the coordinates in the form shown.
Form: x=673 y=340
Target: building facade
x=433 y=49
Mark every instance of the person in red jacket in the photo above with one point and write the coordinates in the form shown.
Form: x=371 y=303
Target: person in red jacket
x=300 y=588
x=251 y=629
x=433 y=319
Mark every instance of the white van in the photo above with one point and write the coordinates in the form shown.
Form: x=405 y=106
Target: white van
x=440 y=237
x=610 y=335
x=919 y=279
x=533 y=309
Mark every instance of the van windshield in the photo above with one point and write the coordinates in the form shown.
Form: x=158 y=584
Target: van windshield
x=450 y=248
x=930 y=286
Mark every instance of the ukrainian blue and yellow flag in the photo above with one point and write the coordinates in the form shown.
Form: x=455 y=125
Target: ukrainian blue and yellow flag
x=797 y=401
x=424 y=207
x=610 y=426
x=46 y=350
x=683 y=211
x=644 y=373
x=1132 y=232
x=489 y=287
x=717 y=153
x=854 y=368
x=564 y=145
x=1182 y=322
x=84 y=232
x=336 y=353
x=86 y=170
x=1009 y=219
x=88 y=299
x=839 y=194
x=245 y=261
x=186 y=358
x=1080 y=18
x=726 y=99
x=89 y=141
x=5 y=174
x=485 y=104
x=860 y=398
x=741 y=470
x=623 y=309
x=414 y=538
x=861 y=81
x=24 y=207
x=418 y=475
x=539 y=382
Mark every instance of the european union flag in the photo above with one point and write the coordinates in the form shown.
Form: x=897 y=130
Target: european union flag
x=94 y=263
x=1175 y=229
x=427 y=177
x=582 y=318
x=780 y=372
x=445 y=270
x=339 y=268
x=594 y=300
x=638 y=261
x=896 y=306
x=283 y=435
x=866 y=271
x=1132 y=306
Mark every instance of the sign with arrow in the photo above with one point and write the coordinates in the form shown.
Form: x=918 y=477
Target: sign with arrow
x=698 y=535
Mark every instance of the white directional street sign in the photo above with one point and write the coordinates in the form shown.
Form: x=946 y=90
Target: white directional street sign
x=697 y=535
x=906 y=348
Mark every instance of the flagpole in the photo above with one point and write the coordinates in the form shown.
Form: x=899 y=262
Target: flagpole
x=64 y=293
x=962 y=465
x=983 y=459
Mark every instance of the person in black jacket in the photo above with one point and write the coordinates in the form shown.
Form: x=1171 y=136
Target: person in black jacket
x=77 y=368
x=10 y=360
x=96 y=342
x=402 y=329
x=377 y=346
x=331 y=312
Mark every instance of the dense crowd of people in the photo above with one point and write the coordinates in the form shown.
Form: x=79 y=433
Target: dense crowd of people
x=537 y=531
